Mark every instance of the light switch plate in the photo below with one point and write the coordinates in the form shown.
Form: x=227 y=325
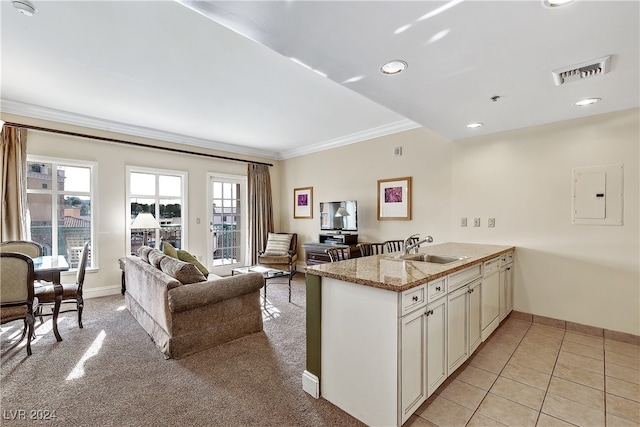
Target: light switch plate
x=476 y=222
x=491 y=222
x=463 y=222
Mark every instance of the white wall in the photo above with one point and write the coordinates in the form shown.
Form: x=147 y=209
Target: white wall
x=352 y=172
x=112 y=159
x=582 y=273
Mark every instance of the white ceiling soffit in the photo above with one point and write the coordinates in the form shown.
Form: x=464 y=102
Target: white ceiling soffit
x=157 y=69
x=460 y=54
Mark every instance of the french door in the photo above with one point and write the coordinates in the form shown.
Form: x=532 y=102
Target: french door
x=227 y=247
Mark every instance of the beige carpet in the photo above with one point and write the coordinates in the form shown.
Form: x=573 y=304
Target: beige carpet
x=111 y=374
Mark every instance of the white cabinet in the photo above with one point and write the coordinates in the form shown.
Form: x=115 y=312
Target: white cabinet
x=436 y=344
x=490 y=297
x=506 y=285
x=463 y=323
x=475 y=322
x=413 y=372
x=458 y=328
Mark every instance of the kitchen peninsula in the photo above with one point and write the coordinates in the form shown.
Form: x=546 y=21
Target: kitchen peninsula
x=384 y=332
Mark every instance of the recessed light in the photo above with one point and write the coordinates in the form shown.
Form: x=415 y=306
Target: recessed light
x=475 y=125
x=25 y=7
x=553 y=4
x=587 y=101
x=394 y=67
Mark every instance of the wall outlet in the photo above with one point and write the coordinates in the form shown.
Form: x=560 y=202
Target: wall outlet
x=463 y=222
x=491 y=222
x=476 y=222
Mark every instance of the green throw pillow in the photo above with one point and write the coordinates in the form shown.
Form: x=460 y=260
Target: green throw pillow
x=169 y=250
x=187 y=257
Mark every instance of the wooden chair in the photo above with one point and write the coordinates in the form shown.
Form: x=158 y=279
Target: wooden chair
x=338 y=254
x=368 y=249
x=71 y=293
x=29 y=248
x=394 y=245
x=277 y=256
x=17 y=300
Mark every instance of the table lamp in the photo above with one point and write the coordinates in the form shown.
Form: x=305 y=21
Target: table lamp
x=145 y=221
x=341 y=213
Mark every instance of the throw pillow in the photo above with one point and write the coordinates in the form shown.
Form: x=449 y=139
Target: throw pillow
x=143 y=253
x=278 y=244
x=187 y=257
x=182 y=271
x=155 y=256
x=169 y=250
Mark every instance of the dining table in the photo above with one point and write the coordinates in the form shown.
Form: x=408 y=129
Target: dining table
x=48 y=269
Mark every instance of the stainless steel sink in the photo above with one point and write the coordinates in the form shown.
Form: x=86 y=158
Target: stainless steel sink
x=433 y=258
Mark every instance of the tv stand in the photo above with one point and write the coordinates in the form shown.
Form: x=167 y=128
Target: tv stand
x=339 y=238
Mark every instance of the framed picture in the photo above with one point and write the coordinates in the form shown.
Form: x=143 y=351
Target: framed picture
x=303 y=202
x=394 y=199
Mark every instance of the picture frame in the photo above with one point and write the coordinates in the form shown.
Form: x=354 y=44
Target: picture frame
x=303 y=202
x=394 y=199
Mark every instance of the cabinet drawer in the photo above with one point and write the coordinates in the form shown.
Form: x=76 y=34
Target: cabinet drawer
x=463 y=277
x=436 y=289
x=506 y=259
x=412 y=299
x=318 y=257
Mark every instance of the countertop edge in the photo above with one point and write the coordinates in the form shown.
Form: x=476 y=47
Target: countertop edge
x=460 y=265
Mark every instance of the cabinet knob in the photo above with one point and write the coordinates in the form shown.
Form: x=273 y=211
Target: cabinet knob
x=415 y=298
x=438 y=288
x=429 y=312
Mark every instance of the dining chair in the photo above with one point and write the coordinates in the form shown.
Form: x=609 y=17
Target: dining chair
x=368 y=249
x=17 y=300
x=27 y=247
x=71 y=293
x=337 y=254
x=394 y=245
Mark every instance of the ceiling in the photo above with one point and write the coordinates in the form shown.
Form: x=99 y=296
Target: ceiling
x=220 y=74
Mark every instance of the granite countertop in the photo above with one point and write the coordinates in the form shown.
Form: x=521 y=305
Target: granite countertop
x=384 y=272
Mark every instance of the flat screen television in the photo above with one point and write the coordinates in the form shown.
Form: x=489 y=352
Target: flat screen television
x=339 y=216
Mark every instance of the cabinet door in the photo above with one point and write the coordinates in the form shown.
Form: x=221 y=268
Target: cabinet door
x=475 y=325
x=457 y=327
x=490 y=304
x=503 y=293
x=436 y=344
x=509 y=289
x=413 y=347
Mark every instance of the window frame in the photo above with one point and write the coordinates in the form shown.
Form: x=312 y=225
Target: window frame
x=55 y=192
x=157 y=197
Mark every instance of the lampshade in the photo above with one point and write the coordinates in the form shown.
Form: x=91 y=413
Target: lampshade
x=341 y=212
x=145 y=221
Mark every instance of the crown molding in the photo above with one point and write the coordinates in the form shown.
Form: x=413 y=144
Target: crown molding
x=44 y=113
x=384 y=130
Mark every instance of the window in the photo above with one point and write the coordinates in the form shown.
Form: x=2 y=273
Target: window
x=162 y=194
x=61 y=204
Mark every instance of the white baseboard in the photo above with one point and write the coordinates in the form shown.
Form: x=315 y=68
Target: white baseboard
x=311 y=384
x=102 y=291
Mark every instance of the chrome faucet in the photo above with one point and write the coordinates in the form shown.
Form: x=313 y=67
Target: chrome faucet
x=408 y=246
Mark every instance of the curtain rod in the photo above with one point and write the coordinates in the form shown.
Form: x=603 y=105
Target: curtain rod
x=135 y=144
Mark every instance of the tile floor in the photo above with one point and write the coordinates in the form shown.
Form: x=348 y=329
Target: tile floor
x=528 y=374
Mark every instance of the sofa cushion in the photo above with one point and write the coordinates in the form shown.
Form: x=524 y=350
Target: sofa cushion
x=169 y=250
x=187 y=257
x=183 y=271
x=155 y=256
x=278 y=244
x=143 y=253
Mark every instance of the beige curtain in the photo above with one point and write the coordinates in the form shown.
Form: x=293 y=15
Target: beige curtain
x=260 y=209
x=14 y=184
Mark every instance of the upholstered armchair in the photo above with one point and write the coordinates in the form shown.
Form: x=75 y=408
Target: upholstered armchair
x=280 y=252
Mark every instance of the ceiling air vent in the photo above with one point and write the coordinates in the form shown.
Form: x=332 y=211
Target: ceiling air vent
x=581 y=71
